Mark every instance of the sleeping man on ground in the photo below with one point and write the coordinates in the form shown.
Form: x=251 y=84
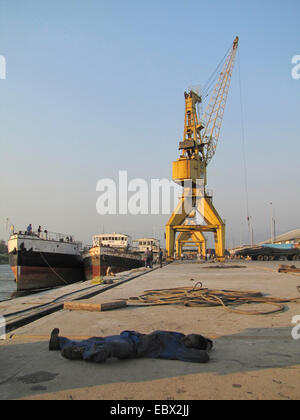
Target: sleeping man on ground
x=131 y=344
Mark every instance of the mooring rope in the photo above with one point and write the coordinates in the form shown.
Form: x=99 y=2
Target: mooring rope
x=51 y=268
x=199 y=296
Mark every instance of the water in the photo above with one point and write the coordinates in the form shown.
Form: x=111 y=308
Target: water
x=7 y=282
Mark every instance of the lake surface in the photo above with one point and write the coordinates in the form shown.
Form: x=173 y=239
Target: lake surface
x=7 y=282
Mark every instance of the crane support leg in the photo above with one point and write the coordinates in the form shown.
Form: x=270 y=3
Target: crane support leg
x=177 y=218
x=210 y=215
x=195 y=238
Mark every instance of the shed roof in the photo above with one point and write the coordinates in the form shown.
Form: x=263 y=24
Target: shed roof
x=289 y=236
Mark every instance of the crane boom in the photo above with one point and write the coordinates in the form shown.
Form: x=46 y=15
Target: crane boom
x=213 y=115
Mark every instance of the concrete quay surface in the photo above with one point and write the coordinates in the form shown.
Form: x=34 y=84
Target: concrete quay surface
x=254 y=357
x=21 y=311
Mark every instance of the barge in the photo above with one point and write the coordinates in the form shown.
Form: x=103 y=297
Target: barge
x=110 y=254
x=44 y=260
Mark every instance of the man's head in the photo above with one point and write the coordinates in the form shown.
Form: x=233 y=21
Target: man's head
x=197 y=341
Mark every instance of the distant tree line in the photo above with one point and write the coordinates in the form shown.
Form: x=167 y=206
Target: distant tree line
x=3 y=253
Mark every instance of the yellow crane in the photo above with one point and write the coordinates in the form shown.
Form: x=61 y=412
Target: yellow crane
x=186 y=239
x=201 y=135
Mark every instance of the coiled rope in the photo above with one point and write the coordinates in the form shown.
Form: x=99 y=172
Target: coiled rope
x=199 y=296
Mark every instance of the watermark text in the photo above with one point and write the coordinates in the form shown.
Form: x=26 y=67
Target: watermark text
x=2 y=328
x=155 y=197
x=296 y=68
x=296 y=329
x=2 y=67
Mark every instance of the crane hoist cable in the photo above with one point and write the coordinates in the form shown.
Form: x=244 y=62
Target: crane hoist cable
x=213 y=77
x=243 y=140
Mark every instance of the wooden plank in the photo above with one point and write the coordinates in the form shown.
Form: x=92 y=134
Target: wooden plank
x=86 y=305
x=288 y=269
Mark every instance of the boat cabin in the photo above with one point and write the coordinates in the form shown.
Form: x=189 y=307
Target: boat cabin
x=114 y=240
x=144 y=243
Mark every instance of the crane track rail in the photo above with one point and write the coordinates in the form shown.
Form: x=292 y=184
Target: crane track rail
x=18 y=319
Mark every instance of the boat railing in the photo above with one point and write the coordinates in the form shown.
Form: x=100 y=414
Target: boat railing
x=48 y=236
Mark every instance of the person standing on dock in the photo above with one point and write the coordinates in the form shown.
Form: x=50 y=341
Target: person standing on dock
x=160 y=257
x=148 y=259
x=151 y=258
x=29 y=229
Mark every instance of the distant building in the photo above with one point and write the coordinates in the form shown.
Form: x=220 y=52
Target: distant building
x=115 y=240
x=289 y=238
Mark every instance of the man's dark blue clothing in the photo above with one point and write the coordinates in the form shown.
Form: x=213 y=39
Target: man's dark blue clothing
x=131 y=344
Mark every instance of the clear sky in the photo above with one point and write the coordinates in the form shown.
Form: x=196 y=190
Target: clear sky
x=93 y=87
